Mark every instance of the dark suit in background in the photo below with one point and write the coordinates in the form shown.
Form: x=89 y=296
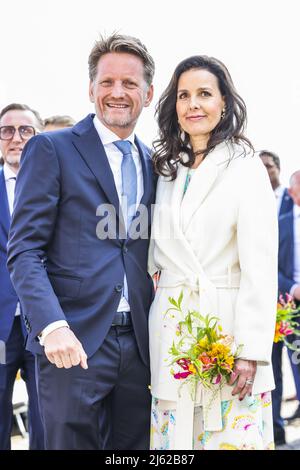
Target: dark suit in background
x=285 y=283
x=12 y=333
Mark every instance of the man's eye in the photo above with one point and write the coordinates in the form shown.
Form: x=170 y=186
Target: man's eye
x=129 y=84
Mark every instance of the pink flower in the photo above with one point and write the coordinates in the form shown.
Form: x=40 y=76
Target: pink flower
x=184 y=363
x=218 y=379
x=182 y=375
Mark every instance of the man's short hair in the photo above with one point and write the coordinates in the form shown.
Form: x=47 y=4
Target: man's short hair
x=22 y=107
x=60 y=121
x=121 y=43
x=274 y=156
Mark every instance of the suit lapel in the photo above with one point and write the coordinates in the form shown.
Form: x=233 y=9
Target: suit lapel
x=4 y=208
x=88 y=144
x=202 y=183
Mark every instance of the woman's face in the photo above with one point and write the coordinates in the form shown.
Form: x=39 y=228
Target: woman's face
x=199 y=102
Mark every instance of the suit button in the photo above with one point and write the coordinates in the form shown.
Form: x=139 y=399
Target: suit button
x=125 y=249
x=118 y=288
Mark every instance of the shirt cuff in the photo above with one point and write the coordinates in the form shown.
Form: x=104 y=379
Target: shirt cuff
x=292 y=289
x=51 y=327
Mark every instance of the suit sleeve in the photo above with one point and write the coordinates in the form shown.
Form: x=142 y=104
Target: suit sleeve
x=35 y=211
x=284 y=284
x=257 y=238
x=285 y=260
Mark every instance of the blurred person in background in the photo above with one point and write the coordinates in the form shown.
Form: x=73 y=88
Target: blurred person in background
x=289 y=269
x=18 y=124
x=56 y=122
x=272 y=164
x=284 y=205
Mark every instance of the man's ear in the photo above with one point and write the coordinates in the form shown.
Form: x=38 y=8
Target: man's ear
x=149 y=96
x=91 y=92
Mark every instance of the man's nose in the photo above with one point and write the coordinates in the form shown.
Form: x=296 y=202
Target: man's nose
x=117 y=90
x=17 y=136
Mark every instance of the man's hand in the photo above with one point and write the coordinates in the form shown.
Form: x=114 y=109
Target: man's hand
x=296 y=293
x=243 y=377
x=63 y=349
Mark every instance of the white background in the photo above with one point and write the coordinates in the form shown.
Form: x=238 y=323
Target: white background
x=44 y=46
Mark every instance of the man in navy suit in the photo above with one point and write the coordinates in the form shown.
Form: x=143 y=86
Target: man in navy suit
x=284 y=204
x=78 y=259
x=289 y=265
x=272 y=164
x=18 y=123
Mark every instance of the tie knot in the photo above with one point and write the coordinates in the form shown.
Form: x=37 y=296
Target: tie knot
x=124 y=146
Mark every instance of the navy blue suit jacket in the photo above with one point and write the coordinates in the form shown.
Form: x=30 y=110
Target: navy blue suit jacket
x=59 y=267
x=8 y=296
x=286 y=253
x=286 y=203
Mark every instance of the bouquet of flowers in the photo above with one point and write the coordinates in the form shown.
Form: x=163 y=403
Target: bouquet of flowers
x=285 y=320
x=202 y=353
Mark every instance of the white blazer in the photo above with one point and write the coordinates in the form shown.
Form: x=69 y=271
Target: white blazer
x=217 y=244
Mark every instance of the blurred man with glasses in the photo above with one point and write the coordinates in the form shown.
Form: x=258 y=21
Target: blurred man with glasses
x=18 y=123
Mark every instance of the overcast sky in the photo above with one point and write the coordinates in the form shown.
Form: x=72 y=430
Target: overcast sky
x=44 y=46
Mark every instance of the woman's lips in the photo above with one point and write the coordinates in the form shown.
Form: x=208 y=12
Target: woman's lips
x=195 y=118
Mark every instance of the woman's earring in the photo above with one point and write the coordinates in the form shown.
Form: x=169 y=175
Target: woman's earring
x=223 y=113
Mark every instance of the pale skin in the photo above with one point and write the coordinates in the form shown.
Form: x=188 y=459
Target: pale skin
x=119 y=92
x=11 y=150
x=199 y=107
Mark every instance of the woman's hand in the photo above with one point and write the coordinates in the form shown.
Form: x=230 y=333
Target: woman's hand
x=243 y=377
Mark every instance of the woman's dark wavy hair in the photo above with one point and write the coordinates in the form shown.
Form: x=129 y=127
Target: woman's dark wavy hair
x=168 y=146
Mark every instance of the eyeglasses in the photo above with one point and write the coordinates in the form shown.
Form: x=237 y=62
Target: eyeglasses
x=8 y=132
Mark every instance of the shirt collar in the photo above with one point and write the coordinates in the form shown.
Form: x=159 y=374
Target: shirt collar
x=279 y=191
x=106 y=135
x=8 y=173
x=296 y=211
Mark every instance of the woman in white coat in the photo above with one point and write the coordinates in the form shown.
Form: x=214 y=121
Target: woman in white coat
x=214 y=239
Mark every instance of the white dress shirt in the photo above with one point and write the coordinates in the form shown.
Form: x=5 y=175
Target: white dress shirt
x=114 y=156
x=10 y=183
x=279 y=195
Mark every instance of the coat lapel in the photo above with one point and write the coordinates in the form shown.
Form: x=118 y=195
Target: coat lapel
x=4 y=208
x=88 y=144
x=202 y=182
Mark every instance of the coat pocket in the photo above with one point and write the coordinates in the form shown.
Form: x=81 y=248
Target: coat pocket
x=65 y=286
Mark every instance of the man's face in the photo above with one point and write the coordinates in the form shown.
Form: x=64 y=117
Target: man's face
x=272 y=169
x=120 y=92
x=294 y=190
x=11 y=149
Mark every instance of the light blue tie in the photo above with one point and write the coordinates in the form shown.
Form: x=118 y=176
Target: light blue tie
x=129 y=190
x=129 y=181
